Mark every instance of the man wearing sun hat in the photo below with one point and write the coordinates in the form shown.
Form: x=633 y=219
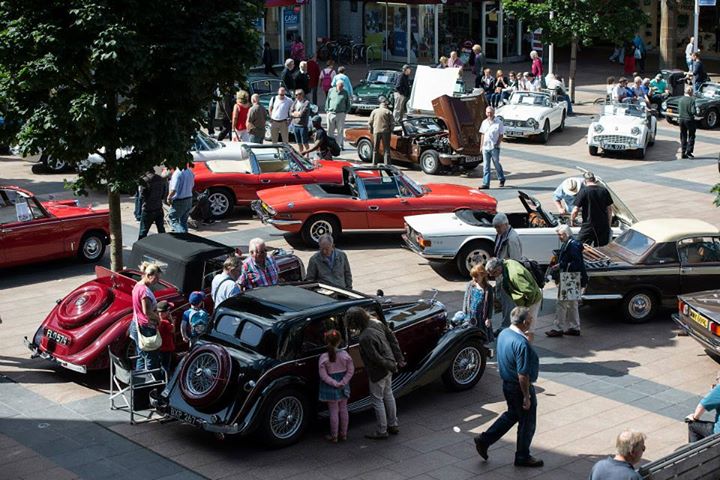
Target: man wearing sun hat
x=564 y=194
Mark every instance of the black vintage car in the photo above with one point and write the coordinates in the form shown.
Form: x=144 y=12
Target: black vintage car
x=707 y=103
x=699 y=316
x=256 y=371
x=651 y=263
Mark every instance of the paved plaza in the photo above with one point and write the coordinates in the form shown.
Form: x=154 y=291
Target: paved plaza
x=57 y=425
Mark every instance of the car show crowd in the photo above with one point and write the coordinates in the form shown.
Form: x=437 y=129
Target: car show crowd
x=507 y=281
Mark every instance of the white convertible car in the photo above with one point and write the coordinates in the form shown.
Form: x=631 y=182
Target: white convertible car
x=533 y=114
x=467 y=236
x=621 y=127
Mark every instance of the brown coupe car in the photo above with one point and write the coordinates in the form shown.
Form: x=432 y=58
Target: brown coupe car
x=449 y=140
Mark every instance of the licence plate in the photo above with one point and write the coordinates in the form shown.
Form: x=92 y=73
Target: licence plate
x=365 y=107
x=185 y=417
x=614 y=146
x=516 y=133
x=699 y=319
x=57 y=337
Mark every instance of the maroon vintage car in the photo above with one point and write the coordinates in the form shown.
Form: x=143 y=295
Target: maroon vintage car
x=78 y=331
x=32 y=231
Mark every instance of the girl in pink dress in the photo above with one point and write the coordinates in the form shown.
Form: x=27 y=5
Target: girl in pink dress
x=336 y=369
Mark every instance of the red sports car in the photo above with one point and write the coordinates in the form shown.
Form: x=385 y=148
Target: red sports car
x=370 y=198
x=32 y=231
x=236 y=182
x=77 y=333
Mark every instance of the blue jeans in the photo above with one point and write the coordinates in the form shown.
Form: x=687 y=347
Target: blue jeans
x=566 y=97
x=257 y=138
x=526 y=420
x=301 y=134
x=179 y=213
x=494 y=156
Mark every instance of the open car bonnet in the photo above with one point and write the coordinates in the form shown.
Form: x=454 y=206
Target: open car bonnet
x=620 y=208
x=463 y=117
x=430 y=83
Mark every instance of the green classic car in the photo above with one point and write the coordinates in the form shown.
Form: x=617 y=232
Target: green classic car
x=378 y=83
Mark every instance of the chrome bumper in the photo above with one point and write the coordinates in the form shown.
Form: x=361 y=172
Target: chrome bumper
x=704 y=341
x=265 y=218
x=521 y=132
x=416 y=248
x=36 y=352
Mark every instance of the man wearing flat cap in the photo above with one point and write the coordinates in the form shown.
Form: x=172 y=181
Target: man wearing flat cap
x=381 y=125
x=402 y=93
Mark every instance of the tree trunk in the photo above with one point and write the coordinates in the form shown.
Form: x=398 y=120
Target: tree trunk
x=116 y=243
x=667 y=34
x=573 y=67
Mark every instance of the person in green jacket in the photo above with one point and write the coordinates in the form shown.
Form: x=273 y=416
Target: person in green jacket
x=337 y=106
x=517 y=282
x=686 y=119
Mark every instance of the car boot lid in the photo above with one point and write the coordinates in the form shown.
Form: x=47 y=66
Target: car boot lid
x=706 y=302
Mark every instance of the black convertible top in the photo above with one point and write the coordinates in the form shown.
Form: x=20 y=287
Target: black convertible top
x=182 y=257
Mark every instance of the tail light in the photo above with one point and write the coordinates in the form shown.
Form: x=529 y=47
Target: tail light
x=683 y=307
x=422 y=242
x=715 y=328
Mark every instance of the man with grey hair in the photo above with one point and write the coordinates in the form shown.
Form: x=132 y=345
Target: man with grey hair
x=517 y=282
x=492 y=131
x=329 y=265
x=381 y=125
x=518 y=365
x=507 y=246
x=258 y=269
x=630 y=446
x=570 y=260
x=256 y=119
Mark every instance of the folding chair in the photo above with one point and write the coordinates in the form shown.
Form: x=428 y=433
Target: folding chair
x=124 y=382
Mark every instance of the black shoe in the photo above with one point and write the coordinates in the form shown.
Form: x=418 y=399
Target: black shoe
x=502 y=184
x=393 y=430
x=483 y=187
x=573 y=332
x=554 y=333
x=481 y=448
x=376 y=436
x=531 y=462
x=683 y=156
x=690 y=155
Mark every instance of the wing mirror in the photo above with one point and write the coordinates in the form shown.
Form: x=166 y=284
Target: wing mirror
x=380 y=293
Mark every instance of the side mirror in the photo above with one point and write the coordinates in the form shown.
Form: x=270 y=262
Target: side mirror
x=380 y=293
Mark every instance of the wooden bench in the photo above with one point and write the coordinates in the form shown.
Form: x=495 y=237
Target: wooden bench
x=694 y=461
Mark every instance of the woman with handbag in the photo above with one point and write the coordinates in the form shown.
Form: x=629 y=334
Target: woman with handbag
x=146 y=319
x=570 y=275
x=478 y=301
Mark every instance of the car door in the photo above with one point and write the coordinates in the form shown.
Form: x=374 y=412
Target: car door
x=27 y=231
x=699 y=263
x=277 y=169
x=387 y=205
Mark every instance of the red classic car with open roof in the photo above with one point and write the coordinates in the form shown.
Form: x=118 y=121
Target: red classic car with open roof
x=77 y=333
x=370 y=198
x=237 y=181
x=33 y=231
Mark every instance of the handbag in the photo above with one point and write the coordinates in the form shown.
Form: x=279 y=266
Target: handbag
x=148 y=344
x=570 y=288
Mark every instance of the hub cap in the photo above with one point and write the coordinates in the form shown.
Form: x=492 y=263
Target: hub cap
x=202 y=374
x=475 y=257
x=92 y=248
x=640 y=306
x=286 y=417
x=365 y=151
x=320 y=228
x=219 y=203
x=466 y=365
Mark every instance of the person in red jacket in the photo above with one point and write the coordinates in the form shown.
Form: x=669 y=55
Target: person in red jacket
x=313 y=70
x=167 y=333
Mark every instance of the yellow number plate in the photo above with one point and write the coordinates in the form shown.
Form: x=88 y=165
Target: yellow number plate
x=699 y=318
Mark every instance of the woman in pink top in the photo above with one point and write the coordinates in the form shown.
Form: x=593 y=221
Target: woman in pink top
x=145 y=316
x=336 y=369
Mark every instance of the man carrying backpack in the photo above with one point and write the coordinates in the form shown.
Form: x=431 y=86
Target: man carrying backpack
x=195 y=320
x=517 y=282
x=322 y=142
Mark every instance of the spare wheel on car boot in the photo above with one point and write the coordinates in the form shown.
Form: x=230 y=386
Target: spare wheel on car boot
x=205 y=375
x=83 y=304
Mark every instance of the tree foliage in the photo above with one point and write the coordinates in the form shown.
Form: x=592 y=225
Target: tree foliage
x=94 y=76
x=588 y=20
x=716 y=191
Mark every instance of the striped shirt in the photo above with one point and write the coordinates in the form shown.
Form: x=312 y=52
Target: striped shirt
x=253 y=275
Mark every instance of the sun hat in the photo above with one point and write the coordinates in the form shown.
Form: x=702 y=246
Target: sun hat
x=571 y=186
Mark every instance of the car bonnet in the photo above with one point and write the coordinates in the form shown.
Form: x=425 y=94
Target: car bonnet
x=463 y=117
x=621 y=210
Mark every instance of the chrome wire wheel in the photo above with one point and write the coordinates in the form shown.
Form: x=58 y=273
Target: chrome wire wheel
x=466 y=365
x=286 y=417
x=202 y=374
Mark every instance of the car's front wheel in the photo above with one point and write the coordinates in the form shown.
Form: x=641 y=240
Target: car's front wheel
x=639 y=306
x=53 y=164
x=476 y=252
x=365 y=150
x=285 y=418
x=710 y=120
x=640 y=152
x=466 y=368
x=593 y=151
x=545 y=136
x=221 y=202
x=319 y=225
x=430 y=162
x=92 y=247
x=562 y=122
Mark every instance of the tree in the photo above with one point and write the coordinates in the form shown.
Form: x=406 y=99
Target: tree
x=579 y=22
x=95 y=76
x=716 y=191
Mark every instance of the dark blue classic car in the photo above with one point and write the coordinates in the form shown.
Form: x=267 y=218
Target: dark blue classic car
x=256 y=371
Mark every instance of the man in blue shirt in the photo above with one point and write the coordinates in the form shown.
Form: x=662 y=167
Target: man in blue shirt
x=519 y=366
x=630 y=449
x=698 y=429
x=564 y=194
x=180 y=198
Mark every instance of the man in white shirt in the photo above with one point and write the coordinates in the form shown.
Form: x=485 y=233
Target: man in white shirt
x=280 y=106
x=224 y=285
x=533 y=83
x=492 y=132
x=689 y=50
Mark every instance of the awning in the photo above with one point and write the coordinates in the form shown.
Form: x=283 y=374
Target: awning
x=284 y=3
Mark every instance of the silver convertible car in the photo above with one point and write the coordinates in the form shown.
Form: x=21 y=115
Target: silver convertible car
x=467 y=236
